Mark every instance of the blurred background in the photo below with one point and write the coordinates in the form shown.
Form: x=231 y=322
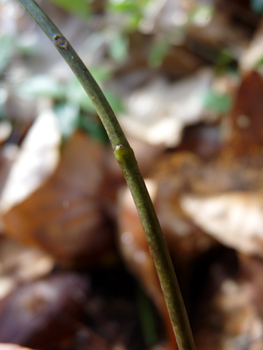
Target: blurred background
x=184 y=78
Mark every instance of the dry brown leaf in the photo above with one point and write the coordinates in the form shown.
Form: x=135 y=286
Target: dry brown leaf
x=64 y=216
x=158 y=112
x=246 y=133
x=234 y=219
x=36 y=160
x=223 y=197
x=232 y=213
x=175 y=175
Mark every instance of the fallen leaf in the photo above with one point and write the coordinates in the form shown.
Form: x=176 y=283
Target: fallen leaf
x=65 y=216
x=36 y=160
x=234 y=219
x=158 y=112
x=223 y=196
x=246 y=123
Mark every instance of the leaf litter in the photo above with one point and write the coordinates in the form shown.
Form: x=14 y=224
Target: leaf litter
x=186 y=81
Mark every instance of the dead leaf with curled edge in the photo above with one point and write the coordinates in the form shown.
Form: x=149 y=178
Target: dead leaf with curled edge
x=135 y=252
x=235 y=219
x=223 y=197
x=36 y=160
x=65 y=216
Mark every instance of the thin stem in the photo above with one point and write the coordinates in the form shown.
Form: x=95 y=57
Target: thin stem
x=126 y=159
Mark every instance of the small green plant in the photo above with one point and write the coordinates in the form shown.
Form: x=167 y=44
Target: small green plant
x=80 y=8
x=128 y=164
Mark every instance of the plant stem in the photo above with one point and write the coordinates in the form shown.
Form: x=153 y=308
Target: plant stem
x=126 y=159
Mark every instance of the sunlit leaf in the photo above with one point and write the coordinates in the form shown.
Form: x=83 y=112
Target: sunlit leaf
x=64 y=215
x=201 y=15
x=37 y=158
x=122 y=5
x=4 y=346
x=133 y=10
x=234 y=219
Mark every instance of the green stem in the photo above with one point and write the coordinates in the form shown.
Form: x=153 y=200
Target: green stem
x=126 y=159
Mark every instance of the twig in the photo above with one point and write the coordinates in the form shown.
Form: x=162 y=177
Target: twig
x=126 y=159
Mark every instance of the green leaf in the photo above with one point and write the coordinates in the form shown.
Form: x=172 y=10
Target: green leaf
x=76 y=94
x=147 y=318
x=132 y=9
x=67 y=115
x=27 y=48
x=259 y=63
x=3 y=98
x=80 y=8
x=220 y=103
x=123 y=6
x=202 y=14
x=93 y=126
x=158 y=51
x=118 y=48
x=8 y=46
x=225 y=62
x=42 y=85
